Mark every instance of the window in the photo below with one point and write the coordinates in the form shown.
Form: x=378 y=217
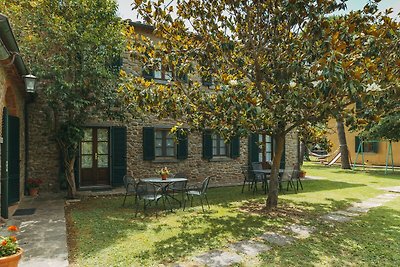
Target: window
x=162 y=72
x=268 y=147
x=219 y=147
x=371 y=146
x=164 y=143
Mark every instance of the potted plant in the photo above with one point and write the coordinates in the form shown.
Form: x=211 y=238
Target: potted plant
x=302 y=174
x=164 y=172
x=33 y=186
x=10 y=253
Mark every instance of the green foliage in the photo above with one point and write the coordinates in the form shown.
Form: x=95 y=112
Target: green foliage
x=388 y=128
x=74 y=47
x=9 y=243
x=71 y=46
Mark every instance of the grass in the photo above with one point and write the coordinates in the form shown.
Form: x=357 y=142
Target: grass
x=102 y=233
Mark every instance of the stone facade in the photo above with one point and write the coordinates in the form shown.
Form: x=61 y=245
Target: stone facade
x=44 y=158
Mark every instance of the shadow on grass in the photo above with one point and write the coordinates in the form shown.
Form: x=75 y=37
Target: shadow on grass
x=99 y=224
x=369 y=240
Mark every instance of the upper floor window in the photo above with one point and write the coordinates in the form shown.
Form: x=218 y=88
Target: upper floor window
x=162 y=73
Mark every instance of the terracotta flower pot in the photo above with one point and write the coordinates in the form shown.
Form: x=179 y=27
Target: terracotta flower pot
x=302 y=174
x=12 y=260
x=33 y=192
x=164 y=176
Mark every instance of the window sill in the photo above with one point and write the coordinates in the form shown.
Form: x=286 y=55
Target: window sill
x=165 y=160
x=220 y=159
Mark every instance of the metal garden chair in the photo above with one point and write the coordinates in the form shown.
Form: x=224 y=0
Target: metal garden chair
x=198 y=191
x=248 y=178
x=148 y=193
x=130 y=186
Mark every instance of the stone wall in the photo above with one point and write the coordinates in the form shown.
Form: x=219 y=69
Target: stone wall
x=44 y=157
x=292 y=149
x=226 y=170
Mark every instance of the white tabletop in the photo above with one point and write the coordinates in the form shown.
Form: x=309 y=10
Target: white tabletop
x=159 y=180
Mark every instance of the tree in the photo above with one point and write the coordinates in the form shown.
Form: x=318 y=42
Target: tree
x=73 y=46
x=264 y=58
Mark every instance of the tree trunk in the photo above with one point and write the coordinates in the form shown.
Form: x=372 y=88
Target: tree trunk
x=272 y=199
x=344 y=158
x=70 y=175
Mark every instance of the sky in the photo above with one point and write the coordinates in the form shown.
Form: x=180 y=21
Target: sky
x=125 y=8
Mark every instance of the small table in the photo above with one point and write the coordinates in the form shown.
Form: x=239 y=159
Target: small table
x=164 y=184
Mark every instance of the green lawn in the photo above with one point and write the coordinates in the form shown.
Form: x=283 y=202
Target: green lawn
x=102 y=233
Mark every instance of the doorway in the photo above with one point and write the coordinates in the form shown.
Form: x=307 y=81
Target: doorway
x=95 y=157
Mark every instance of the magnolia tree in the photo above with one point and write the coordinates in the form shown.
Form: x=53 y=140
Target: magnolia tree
x=273 y=66
x=72 y=46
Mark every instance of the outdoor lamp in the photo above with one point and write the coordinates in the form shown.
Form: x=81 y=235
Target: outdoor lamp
x=30 y=83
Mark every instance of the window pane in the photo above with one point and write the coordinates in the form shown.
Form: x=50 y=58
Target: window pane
x=158 y=134
x=214 y=151
x=168 y=75
x=102 y=135
x=102 y=161
x=170 y=151
x=158 y=152
x=102 y=148
x=170 y=143
x=158 y=142
x=222 y=150
x=87 y=134
x=87 y=161
x=86 y=147
x=269 y=147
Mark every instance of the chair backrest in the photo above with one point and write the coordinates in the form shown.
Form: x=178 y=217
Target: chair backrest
x=129 y=182
x=204 y=185
x=245 y=171
x=180 y=175
x=256 y=165
x=146 y=189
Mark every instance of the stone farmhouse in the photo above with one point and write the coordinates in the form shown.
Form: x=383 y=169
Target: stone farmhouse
x=112 y=149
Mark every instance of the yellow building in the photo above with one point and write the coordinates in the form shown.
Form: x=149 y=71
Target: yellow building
x=375 y=153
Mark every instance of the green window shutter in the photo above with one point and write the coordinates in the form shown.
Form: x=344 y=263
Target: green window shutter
x=4 y=169
x=182 y=147
x=235 y=147
x=375 y=147
x=283 y=158
x=207 y=145
x=13 y=159
x=357 y=143
x=253 y=148
x=118 y=155
x=148 y=143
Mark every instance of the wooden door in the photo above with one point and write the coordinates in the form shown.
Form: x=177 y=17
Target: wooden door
x=95 y=157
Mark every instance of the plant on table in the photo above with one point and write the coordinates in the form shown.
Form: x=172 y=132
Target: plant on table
x=164 y=172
